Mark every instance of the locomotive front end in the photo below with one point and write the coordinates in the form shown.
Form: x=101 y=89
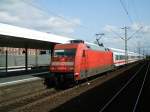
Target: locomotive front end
x=63 y=61
x=63 y=64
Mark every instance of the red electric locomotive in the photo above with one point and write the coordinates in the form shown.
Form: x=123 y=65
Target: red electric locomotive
x=78 y=60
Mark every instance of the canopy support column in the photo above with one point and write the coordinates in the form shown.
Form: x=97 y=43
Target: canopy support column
x=26 y=58
x=36 y=58
x=6 y=63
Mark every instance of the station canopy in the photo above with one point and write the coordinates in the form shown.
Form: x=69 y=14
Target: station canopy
x=14 y=36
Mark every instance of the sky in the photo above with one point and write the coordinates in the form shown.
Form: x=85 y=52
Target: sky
x=82 y=19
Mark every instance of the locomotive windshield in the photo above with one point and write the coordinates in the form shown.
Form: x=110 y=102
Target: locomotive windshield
x=64 y=52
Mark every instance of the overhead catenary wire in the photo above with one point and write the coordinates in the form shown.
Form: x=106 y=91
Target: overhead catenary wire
x=135 y=32
x=129 y=16
x=135 y=10
x=126 y=40
x=116 y=34
x=126 y=11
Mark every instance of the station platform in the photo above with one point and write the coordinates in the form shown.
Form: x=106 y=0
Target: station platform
x=5 y=81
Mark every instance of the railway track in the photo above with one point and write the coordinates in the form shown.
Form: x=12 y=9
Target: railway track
x=49 y=99
x=24 y=100
x=129 y=95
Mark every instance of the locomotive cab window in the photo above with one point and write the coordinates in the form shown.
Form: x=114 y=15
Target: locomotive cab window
x=64 y=52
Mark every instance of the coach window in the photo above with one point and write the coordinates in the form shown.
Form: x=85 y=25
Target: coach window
x=121 y=57
x=117 y=57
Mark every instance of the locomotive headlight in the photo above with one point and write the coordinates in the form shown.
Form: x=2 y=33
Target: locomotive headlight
x=76 y=74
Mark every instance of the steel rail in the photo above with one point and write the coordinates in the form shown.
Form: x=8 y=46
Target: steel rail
x=135 y=106
x=125 y=85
